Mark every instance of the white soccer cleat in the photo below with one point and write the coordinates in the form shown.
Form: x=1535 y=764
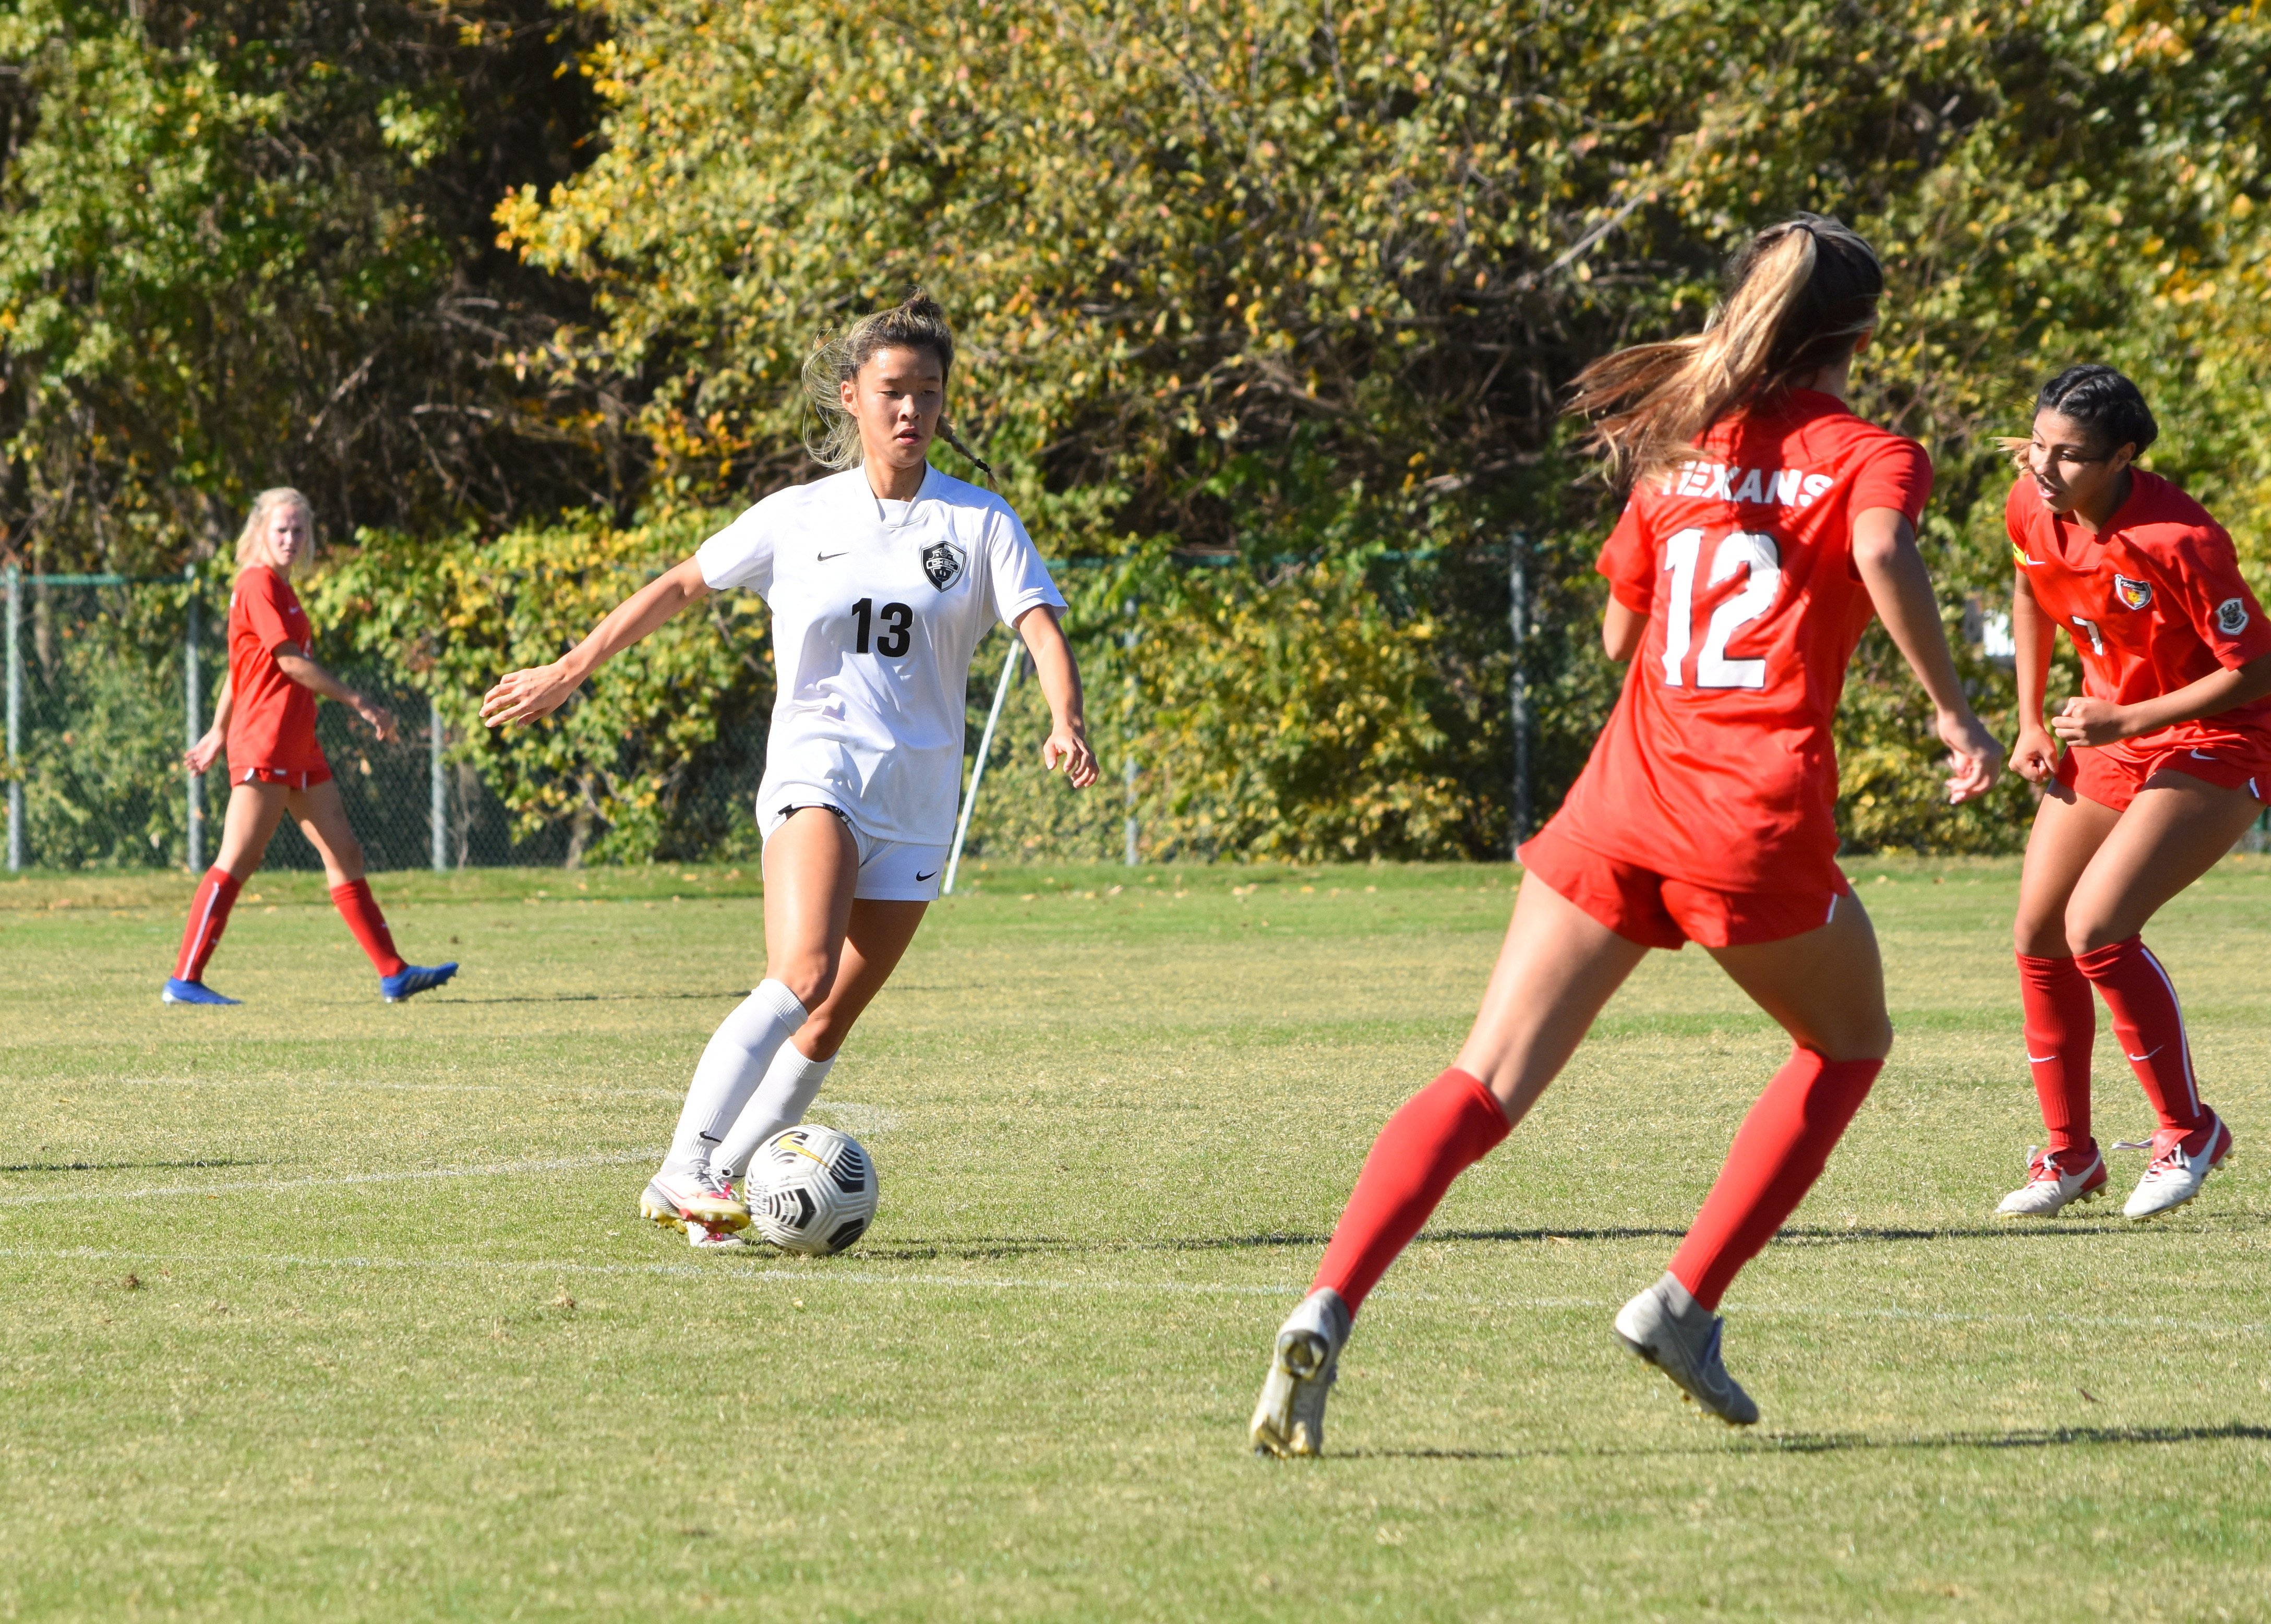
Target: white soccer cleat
x=703 y=1238
x=702 y=1197
x=2176 y=1175
x=2049 y=1190
x=1290 y=1419
x=1680 y=1336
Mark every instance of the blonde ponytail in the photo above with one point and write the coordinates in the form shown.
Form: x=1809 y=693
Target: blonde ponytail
x=1799 y=296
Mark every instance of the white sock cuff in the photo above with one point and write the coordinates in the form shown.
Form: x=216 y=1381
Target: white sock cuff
x=775 y=996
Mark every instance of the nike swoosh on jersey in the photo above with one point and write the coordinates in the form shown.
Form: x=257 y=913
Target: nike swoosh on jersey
x=824 y=558
x=921 y=877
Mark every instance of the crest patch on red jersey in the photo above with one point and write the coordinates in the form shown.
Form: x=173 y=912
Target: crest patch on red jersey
x=2134 y=594
x=2231 y=616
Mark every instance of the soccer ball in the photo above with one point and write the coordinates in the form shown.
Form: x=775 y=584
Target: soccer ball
x=811 y=1189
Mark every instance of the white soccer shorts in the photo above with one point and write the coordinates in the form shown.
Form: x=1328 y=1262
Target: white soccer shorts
x=890 y=870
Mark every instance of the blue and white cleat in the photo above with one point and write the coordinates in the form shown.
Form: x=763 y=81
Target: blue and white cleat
x=413 y=980
x=192 y=992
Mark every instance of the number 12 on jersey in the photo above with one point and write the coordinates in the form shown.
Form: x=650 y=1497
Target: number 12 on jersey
x=1750 y=551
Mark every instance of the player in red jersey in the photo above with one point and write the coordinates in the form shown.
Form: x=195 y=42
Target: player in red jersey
x=265 y=719
x=1766 y=524
x=2167 y=759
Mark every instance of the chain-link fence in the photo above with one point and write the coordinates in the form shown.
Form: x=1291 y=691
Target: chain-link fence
x=100 y=675
x=108 y=679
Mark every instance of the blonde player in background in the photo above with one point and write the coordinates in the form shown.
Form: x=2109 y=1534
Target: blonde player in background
x=882 y=580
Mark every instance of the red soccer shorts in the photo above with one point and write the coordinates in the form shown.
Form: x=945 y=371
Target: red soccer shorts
x=290 y=777
x=1658 y=911
x=2229 y=760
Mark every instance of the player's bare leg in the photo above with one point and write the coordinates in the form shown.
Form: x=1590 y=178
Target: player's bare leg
x=811 y=864
x=2174 y=832
x=2060 y=1013
x=876 y=938
x=247 y=825
x=1826 y=988
x=1557 y=967
x=322 y=817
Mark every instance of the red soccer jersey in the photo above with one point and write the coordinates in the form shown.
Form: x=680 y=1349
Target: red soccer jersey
x=1717 y=766
x=2153 y=602
x=272 y=719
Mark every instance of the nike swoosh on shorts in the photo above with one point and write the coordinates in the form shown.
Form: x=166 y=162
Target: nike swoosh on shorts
x=921 y=877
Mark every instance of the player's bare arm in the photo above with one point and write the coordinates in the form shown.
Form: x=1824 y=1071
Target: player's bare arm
x=313 y=677
x=207 y=750
x=2034 y=754
x=1885 y=552
x=2085 y=720
x=536 y=692
x=1622 y=628
x=1053 y=662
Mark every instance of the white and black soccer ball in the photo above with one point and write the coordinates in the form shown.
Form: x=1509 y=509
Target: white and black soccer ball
x=811 y=1189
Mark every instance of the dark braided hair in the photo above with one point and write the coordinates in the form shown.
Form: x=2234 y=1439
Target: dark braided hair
x=915 y=323
x=2105 y=403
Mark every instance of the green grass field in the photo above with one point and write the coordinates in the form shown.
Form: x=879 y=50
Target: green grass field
x=323 y=1308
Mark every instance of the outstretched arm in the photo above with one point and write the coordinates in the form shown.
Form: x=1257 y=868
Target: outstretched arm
x=309 y=674
x=538 y=691
x=1053 y=663
x=1885 y=552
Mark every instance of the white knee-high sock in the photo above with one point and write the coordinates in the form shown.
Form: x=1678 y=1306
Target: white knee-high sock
x=780 y=1101
x=739 y=1052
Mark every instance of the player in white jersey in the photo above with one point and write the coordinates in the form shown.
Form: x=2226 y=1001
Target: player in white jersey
x=882 y=580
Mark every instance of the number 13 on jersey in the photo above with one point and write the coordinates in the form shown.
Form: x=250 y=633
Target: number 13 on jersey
x=1754 y=554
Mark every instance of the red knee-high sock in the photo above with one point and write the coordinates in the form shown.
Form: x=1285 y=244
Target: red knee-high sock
x=2143 y=1003
x=1440 y=1131
x=360 y=909
x=1777 y=1154
x=2062 y=1024
x=216 y=895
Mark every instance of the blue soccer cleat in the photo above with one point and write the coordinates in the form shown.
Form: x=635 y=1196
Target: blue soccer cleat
x=192 y=992
x=413 y=979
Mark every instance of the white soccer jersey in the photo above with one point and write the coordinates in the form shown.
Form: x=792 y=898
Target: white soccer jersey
x=875 y=624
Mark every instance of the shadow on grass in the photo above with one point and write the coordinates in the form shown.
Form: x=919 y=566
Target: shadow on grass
x=975 y=1248
x=1827 y=1443
x=2047 y=1438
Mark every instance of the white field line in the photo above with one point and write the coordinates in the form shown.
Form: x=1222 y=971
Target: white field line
x=813 y=1278
x=529 y=1090
x=495 y=1170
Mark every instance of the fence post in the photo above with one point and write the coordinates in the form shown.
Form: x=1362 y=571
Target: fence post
x=1134 y=827
x=1517 y=697
x=193 y=723
x=15 y=580
x=438 y=790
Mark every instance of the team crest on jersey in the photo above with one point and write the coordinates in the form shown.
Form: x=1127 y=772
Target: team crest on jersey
x=2134 y=594
x=943 y=562
x=2231 y=617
